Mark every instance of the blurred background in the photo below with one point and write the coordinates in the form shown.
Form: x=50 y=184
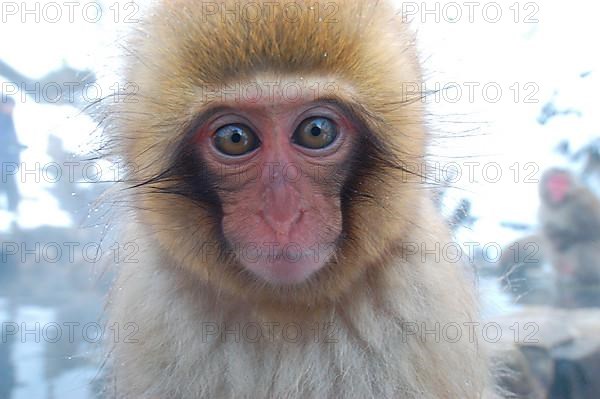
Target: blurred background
x=515 y=160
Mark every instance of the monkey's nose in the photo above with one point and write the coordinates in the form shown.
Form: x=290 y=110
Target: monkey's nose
x=281 y=207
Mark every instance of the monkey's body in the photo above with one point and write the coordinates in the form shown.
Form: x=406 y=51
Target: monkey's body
x=571 y=232
x=191 y=211
x=195 y=342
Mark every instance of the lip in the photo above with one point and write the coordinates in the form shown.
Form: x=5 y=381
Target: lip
x=289 y=269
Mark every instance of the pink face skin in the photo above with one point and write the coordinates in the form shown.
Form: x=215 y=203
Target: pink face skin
x=281 y=216
x=558 y=186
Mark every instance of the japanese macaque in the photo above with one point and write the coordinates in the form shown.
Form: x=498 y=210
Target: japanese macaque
x=281 y=241
x=570 y=223
x=568 y=237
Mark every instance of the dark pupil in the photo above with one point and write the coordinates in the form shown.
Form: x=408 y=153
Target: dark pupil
x=315 y=131
x=236 y=137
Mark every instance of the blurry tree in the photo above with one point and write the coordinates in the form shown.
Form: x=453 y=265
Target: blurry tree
x=590 y=155
x=62 y=86
x=10 y=150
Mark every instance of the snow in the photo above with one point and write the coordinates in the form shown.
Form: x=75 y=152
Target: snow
x=551 y=56
x=554 y=61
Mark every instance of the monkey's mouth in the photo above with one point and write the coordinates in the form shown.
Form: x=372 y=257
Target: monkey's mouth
x=288 y=264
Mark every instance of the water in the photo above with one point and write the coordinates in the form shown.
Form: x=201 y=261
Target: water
x=34 y=364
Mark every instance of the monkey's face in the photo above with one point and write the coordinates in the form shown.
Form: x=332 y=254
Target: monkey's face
x=288 y=195
x=556 y=187
x=278 y=168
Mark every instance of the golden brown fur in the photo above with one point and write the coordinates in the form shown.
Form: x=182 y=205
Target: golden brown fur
x=370 y=290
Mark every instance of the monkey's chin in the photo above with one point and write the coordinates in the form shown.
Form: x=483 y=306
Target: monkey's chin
x=286 y=270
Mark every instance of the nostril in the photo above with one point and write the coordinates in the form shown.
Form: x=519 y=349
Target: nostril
x=282 y=222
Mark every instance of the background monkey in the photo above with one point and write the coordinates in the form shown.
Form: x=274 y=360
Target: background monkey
x=568 y=237
x=256 y=212
x=570 y=222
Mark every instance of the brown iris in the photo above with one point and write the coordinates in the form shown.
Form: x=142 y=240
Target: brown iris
x=235 y=140
x=316 y=133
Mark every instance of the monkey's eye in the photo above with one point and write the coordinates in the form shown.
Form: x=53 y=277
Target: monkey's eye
x=316 y=133
x=235 y=140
